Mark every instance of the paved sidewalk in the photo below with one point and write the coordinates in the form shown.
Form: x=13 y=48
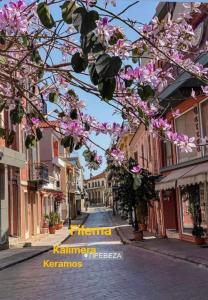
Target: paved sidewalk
x=45 y=243
x=170 y=247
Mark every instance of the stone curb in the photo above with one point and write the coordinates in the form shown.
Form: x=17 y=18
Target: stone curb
x=41 y=251
x=122 y=237
x=125 y=241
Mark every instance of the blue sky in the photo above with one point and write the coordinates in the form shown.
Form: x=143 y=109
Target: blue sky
x=142 y=12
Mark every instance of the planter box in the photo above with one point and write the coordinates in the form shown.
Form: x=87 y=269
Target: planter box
x=52 y=229
x=199 y=240
x=59 y=226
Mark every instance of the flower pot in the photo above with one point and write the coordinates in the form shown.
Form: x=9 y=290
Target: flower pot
x=59 y=226
x=143 y=227
x=52 y=229
x=199 y=240
x=44 y=228
x=138 y=235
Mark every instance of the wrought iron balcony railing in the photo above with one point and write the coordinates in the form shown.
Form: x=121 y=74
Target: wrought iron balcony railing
x=38 y=172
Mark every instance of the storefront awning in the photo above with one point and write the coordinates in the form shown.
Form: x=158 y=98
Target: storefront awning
x=169 y=181
x=196 y=175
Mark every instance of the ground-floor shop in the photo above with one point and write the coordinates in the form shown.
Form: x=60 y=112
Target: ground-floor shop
x=183 y=196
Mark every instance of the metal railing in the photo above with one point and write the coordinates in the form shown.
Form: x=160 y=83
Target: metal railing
x=38 y=171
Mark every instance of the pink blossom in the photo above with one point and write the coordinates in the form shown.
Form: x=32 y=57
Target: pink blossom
x=98 y=158
x=121 y=49
x=172 y=136
x=118 y=157
x=193 y=6
x=12 y=18
x=176 y=113
x=193 y=94
x=160 y=124
x=35 y=121
x=104 y=30
x=136 y=169
x=186 y=144
x=205 y=89
x=75 y=129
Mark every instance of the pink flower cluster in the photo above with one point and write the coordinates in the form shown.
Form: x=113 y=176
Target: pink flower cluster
x=182 y=141
x=117 y=156
x=160 y=124
x=13 y=19
x=105 y=32
x=147 y=74
x=95 y=161
x=75 y=129
x=136 y=169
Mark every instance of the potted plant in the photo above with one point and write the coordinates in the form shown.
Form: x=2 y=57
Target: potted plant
x=195 y=211
x=198 y=233
x=142 y=213
x=59 y=223
x=45 y=224
x=52 y=222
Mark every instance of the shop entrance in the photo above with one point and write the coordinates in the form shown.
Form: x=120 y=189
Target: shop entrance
x=170 y=213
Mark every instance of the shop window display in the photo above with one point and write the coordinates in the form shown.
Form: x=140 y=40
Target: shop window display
x=193 y=207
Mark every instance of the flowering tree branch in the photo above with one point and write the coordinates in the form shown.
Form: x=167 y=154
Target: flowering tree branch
x=48 y=58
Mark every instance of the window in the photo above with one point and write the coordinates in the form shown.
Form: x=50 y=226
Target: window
x=89 y=184
x=98 y=183
x=192 y=202
x=185 y=124
x=55 y=149
x=204 y=123
x=102 y=183
x=93 y=184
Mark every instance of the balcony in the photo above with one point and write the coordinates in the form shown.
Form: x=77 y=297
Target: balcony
x=38 y=174
x=11 y=157
x=58 y=162
x=72 y=186
x=52 y=184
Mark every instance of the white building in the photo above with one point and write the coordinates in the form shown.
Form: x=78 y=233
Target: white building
x=96 y=188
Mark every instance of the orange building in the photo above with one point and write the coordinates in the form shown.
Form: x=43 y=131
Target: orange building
x=143 y=149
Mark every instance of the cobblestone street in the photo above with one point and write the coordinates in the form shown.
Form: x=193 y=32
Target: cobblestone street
x=140 y=275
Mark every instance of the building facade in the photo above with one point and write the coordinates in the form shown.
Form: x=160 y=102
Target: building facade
x=78 y=179
x=95 y=188
x=35 y=182
x=183 y=186
x=143 y=149
x=11 y=163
